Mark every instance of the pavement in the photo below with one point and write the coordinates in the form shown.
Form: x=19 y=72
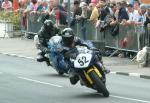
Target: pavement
x=25 y=48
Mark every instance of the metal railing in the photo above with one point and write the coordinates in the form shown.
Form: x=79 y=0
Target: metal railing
x=129 y=38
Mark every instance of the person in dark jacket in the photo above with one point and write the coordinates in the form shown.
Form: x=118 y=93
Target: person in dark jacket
x=123 y=15
x=147 y=18
x=77 y=10
x=45 y=33
x=147 y=25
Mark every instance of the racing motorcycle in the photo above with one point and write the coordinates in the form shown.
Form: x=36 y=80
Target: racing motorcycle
x=56 y=56
x=84 y=62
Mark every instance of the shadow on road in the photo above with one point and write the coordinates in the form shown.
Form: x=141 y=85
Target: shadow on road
x=54 y=75
x=89 y=96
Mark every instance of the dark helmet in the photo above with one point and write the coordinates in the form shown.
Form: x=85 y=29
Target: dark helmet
x=67 y=36
x=48 y=24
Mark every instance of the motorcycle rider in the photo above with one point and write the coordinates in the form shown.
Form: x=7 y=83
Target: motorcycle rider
x=70 y=41
x=47 y=30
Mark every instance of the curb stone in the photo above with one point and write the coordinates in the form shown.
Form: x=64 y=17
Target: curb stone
x=132 y=74
x=117 y=73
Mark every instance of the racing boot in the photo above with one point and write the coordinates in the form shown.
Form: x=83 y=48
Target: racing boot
x=40 y=56
x=74 y=78
x=106 y=71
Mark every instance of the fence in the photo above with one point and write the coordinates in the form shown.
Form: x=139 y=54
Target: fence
x=129 y=38
x=30 y=24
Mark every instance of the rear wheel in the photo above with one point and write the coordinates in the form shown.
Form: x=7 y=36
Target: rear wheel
x=101 y=88
x=60 y=73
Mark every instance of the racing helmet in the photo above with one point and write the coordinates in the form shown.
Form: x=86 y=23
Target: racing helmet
x=48 y=24
x=67 y=36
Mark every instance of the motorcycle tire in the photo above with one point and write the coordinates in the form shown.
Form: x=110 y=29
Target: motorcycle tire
x=101 y=88
x=60 y=73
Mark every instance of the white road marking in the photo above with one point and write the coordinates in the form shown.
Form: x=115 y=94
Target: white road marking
x=112 y=72
x=132 y=99
x=125 y=98
x=36 y=81
x=21 y=56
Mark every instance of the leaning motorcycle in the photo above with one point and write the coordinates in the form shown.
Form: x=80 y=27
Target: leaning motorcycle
x=83 y=62
x=56 y=56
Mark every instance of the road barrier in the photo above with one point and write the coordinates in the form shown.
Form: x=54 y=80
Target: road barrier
x=129 y=38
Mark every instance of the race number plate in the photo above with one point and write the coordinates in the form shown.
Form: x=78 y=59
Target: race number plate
x=82 y=60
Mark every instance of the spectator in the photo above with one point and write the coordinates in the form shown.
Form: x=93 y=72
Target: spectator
x=59 y=11
x=83 y=18
x=40 y=5
x=77 y=10
x=147 y=21
x=94 y=2
x=142 y=13
x=122 y=13
x=112 y=9
x=96 y=12
x=114 y=25
x=91 y=6
x=104 y=12
x=142 y=20
x=136 y=4
x=133 y=15
x=23 y=4
x=108 y=20
x=147 y=24
x=7 y=5
x=45 y=6
x=85 y=11
x=31 y=7
x=65 y=5
x=25 y=9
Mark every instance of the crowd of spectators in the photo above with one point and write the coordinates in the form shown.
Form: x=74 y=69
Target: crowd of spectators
x=102 y=13
x=108 y=11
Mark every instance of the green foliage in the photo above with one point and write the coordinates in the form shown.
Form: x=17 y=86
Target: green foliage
x=11 y=17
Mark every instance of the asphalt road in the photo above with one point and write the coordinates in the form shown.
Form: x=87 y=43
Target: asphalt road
x=26 y=81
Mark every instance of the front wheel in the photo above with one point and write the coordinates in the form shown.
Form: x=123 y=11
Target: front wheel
x=60 y=73
x=99 y=84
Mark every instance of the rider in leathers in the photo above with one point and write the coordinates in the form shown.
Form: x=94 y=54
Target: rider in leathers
x=70 y=41
x=45 y=33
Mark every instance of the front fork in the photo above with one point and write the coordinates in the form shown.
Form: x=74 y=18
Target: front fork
x=93 y=68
